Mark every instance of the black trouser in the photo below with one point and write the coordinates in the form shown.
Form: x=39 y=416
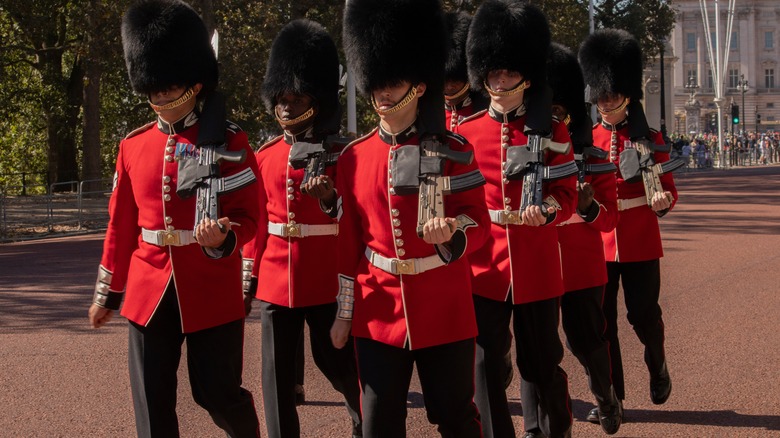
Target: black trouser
x=641 y=289
x=282 y=329
x=214 y=360
x=583 y=322
x=446 y=375
x=539 y=354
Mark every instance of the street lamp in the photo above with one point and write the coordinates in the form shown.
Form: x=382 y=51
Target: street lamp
x=742 y=87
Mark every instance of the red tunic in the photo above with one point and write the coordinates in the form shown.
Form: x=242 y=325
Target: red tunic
x=582 y=252
x=517 y=259
x=431 y=308
x=208 y=290
x=291 y=271
x=456 y=114
x=637 y=236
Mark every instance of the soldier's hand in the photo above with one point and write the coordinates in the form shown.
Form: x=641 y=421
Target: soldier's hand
x=339 y=332
x=211 y=233
x=661 y=201
x=247 y=304
x=584 y=196
x=320 y=187
x=439 y=230
x=534 y=217
x=98 y=316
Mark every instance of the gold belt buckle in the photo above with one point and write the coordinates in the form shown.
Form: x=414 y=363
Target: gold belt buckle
x=404 y=266
x=171 y=238
x=293 y=230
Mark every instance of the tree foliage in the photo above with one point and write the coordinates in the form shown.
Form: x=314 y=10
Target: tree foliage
x=67 y=101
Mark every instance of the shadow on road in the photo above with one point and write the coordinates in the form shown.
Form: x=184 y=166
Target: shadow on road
x=723 y=418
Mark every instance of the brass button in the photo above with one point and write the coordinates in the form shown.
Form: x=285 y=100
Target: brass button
x=392 y=191
x=291 y=215
x=399 y=242
x=290 y=189
x=166 y=189
x=395 y=212
x=506 y=181
x=290 y=182
x=397 y=232
x=396 y=222
x=166 y=179
x=507 y=200
x=505 y=130
x=389 y=180
x=505 y=138
x=504 y=145
x=169 y=149
x=171 y=228
x=167 y=198
x=290 y=196
x=169 y=158
x=401 y=252
x=168 y=219
x=171 y=141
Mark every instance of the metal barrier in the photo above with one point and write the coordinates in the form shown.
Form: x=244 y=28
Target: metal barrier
x=65 y=207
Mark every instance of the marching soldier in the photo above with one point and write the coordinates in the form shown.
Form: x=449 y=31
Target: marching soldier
x=293 y=258
x=518 y=273
x=181 y=285
x=612 y=66
x=404 y=278
x=460 y=101
x=582 y=253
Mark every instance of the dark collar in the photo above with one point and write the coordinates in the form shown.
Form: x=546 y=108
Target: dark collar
x=307 y=134
x=458 y=106
x=180 y=125
x=401 y=137
x=617 y=126
x=511 y=116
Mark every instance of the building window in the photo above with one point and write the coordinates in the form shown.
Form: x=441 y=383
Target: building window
x=710 y=82
x=770 y=105
x=769 y=40
x=733 y=45
x=769 y=78
x=690 y=72
x=691 y=39
x=733 y=77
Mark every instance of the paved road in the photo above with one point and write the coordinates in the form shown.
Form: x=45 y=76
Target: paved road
x=721 y=276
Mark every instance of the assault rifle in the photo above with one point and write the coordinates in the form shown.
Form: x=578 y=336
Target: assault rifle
x=201 y=175
x=433 y=186
x=585 y=168
x=637 y=161
x=315 y=157
x=527 y=161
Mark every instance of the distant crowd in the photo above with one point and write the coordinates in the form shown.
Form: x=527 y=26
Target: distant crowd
x=743 y=149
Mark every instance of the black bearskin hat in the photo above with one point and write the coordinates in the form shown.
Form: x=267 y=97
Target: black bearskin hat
x=565 y=78
x=389 y=41
x=166 y=44
x=508 y=34
x=611 y=62
x=458 y=28
x=304 y=60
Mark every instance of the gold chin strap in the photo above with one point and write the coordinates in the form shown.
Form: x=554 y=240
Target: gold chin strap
x=619 y=108
x=287 y=123
x=189 y=94
x=459 y=94
x=520 y=87
x=410 y=95
x=567 y=120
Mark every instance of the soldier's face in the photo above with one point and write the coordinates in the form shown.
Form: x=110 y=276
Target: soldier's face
x=171 y=94
x=608 y=104
x=559 y=111
x=291 y=105
x=503 y=80
x=389 y=95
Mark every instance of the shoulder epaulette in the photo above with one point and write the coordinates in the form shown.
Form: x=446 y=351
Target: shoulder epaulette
x=140 y=130
x=269 y=143
x=359 y=139
x=457 y=137
x=473 y=116
x=232 y=127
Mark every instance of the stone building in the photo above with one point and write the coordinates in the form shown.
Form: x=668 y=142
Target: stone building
x=754 y=53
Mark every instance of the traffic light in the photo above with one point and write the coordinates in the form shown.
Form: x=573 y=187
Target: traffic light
x=758 y=119
x=735 y=114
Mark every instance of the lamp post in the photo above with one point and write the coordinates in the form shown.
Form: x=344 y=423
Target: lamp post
x=742 y=87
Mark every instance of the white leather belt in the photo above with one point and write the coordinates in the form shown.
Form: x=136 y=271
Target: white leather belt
x=625 y=204
x=302 y=230
x=574 y=219
x=168 y=238
x=406 y=267
x=504 y=217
